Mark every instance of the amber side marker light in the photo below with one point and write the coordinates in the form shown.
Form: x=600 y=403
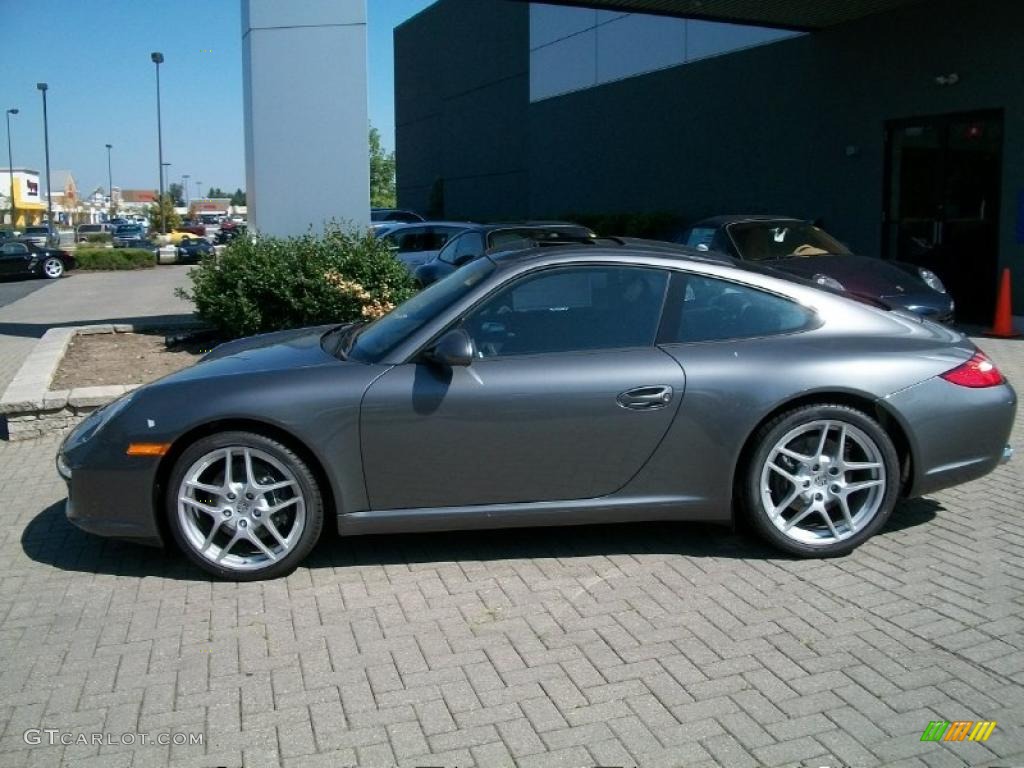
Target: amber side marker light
x=148 y=449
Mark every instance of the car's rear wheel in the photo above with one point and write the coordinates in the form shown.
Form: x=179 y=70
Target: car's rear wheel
x=53 y=268
x=822 y=480
x=244 y=507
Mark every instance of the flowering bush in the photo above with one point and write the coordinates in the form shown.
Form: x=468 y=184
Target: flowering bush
x=277 y=283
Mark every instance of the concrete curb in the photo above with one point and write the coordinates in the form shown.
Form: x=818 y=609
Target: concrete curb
x=33 y=409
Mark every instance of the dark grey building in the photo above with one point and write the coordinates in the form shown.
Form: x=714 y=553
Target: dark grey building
x=899 y=124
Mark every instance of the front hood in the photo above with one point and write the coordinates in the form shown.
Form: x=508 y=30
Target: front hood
x=296 y=348
x=858 y=274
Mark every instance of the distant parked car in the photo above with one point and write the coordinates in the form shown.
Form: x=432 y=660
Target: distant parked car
x=178 y=236
x=6 y=233
x=190 y=225
x=418 y=243
x=800 y=248
x=27 y=258
x=478 y=239
x=42 y=236
x=378 y=215
x=229 y=233
x=191 y=251
x=127 y=233
x=84 y=230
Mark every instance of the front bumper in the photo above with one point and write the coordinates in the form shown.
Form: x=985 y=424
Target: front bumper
x=111 y=500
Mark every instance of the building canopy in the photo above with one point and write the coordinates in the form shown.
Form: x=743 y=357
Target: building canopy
x=803 y=15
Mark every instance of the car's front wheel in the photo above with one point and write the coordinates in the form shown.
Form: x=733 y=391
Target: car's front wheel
x=243 y=506
x=53 y=268
x=822 y=479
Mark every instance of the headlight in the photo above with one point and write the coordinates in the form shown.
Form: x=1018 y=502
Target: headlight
x=931 y=280
x=95 y=421
x=829 y=282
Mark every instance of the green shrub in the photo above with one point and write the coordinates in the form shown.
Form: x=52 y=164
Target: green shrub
x=277 y=283
x=98 y=237
x=114 y=258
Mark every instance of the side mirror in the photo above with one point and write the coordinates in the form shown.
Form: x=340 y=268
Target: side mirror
x=455 y=348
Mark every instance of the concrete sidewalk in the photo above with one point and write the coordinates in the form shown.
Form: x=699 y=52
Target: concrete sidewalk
x=84 y=298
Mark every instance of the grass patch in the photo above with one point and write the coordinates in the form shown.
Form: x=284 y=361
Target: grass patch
x=102 y=259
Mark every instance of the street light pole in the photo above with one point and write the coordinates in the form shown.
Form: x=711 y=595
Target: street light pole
x=110 y=181
x=10 y=165
x=46 y=142
x=157 y=58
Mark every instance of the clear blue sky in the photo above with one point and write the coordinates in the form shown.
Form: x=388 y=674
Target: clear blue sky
x=94 y=54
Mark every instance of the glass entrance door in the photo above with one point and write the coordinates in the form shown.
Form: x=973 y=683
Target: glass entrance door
x=942 y=203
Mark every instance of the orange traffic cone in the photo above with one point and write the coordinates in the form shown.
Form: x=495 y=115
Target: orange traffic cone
x=1002 y=324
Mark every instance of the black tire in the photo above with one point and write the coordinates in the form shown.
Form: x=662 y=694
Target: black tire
x=772 y=432
x=304 y=477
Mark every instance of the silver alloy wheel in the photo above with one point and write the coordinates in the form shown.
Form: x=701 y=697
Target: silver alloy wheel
x=823 y=482
x=240 y=508
x=53 y=267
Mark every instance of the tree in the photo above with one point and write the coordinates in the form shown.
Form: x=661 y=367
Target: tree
x=238 y=198
x=382 y=173
x=166 y=203
x=177 y=193
x=217 y=192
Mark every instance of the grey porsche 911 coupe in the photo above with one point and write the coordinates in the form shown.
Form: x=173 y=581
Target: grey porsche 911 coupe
x=590 y=383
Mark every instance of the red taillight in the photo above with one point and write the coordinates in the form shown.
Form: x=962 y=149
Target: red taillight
x=977 y=372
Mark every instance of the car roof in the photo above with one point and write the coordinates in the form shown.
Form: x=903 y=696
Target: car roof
x=394 y=226
x=494 y=226
x=735 y=218
x=612 y=246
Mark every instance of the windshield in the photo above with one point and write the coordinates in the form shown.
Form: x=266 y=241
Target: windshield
x=129 y=229
x=36 y=230
x=762 y=240
x=376 y=340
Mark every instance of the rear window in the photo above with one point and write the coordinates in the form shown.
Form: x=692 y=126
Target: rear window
x=91 y=228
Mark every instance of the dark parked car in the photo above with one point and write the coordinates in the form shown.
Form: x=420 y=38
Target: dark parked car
x=803 y=249
x=195 y=227
x=23 y=258
x=230 y=231
x=191 y=251
x=478 y=239
x=126 y=234
x=594 y=383
x=418 y=243
x=389 y=215
x=380 y=215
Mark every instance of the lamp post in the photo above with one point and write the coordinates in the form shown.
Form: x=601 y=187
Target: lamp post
x=157 y=58
x=184 y=184
x=110 y=181
x=199 y=189
x=10 y=165
x=46 y=143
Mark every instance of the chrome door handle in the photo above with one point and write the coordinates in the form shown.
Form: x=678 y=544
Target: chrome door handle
x=645 y=398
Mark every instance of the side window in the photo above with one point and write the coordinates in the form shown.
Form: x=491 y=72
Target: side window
x=467 y=248
x=438 y=237
x=447 y=253
x=15 y=249
x=710 y=309
x=570 y=310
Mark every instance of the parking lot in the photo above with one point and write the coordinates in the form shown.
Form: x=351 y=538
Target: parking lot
x=642 y=645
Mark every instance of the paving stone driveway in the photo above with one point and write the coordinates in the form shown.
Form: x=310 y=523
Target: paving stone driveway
x=636 y=645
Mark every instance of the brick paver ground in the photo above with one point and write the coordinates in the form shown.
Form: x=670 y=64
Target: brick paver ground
x=653 y=645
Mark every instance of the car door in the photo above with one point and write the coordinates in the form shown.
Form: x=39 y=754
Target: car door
x=14 y=258
x=567 y=397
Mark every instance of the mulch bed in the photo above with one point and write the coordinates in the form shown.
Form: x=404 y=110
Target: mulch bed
x=123 y=358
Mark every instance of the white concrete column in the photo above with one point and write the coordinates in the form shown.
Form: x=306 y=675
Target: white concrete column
x=306 y=122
